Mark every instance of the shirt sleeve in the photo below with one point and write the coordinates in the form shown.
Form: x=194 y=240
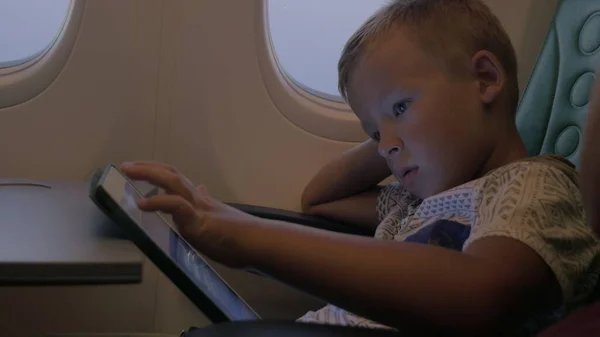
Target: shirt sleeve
x=394 y=198
x=540 y=206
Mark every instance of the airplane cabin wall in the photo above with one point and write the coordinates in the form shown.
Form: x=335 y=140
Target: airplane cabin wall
x=178 y=81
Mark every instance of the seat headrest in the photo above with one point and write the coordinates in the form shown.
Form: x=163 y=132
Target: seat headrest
x=554 y=106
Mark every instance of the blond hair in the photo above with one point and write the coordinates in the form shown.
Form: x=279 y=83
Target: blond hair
x=449 y=31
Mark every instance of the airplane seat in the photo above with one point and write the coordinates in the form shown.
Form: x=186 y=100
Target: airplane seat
x=553 y=109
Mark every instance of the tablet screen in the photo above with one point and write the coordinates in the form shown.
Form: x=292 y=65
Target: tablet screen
x=188 y=260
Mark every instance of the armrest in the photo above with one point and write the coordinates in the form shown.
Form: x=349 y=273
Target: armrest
x=297 y=218
x=303 y=219
x=283 y=329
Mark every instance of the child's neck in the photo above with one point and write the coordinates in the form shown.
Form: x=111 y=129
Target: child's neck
x=509 y=148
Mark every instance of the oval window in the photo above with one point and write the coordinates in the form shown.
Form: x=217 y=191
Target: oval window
x=28 y=28
x=308 y=37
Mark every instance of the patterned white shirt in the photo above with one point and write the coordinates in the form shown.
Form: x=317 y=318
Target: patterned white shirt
x=535 y=201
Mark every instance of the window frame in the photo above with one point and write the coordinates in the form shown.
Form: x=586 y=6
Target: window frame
x=313 y=111
x=29 y=77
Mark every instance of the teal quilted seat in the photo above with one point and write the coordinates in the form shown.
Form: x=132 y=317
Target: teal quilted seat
x=553 y=108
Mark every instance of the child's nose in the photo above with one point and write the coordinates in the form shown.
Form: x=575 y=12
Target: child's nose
x=390 y=146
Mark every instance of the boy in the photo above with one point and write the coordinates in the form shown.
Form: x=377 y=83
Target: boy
x=474 y=239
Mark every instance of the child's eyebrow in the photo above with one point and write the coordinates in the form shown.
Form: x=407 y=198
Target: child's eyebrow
x=392 y=96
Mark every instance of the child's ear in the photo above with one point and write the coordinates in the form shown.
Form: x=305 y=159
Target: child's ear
x=490 y=75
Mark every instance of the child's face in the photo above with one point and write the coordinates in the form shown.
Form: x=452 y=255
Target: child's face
x=431 y=128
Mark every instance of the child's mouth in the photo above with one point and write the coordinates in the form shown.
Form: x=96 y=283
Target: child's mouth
x=408 y=176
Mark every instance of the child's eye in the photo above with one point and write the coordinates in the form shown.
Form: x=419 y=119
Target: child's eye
x=400 y=108
x=376 y=136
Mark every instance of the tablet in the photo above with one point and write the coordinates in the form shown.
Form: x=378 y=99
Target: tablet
x=155 y=237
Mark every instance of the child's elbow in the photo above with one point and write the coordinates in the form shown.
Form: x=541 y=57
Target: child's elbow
x=310 y=209
x=478 y=315
x=487 y=321
x=305 y=205
x=308 y=202
x=477 y=318
x=484 y=310
x=494 y=312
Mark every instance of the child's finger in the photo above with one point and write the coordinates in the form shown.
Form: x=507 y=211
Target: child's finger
x=150 y=163
x=202 y=189
x=182 y=211
x=169 y=181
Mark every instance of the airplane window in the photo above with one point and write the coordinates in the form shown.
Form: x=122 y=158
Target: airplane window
x=28 y=28
x=308 y=36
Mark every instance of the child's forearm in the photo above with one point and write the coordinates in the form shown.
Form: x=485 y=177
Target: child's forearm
x=353 y=172
x=398 y=284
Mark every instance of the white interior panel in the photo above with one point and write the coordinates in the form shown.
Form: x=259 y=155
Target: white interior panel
x=100 y=108
x=224 y=130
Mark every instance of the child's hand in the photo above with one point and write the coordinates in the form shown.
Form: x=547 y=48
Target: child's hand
x=346 y=189
x=212 y=227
